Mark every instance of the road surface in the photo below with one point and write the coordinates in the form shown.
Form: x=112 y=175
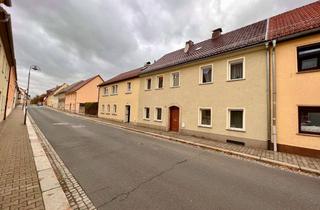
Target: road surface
x=119 y=169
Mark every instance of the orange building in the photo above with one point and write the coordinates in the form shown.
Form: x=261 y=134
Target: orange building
x=85 y=91
x=12 y=91
x=295 y=58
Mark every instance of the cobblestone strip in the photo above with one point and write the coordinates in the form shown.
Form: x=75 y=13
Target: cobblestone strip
x=75 y=194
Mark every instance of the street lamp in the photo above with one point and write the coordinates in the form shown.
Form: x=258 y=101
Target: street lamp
x=35 y=68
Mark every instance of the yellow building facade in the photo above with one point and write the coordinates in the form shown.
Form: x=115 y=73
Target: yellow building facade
x=297 y=90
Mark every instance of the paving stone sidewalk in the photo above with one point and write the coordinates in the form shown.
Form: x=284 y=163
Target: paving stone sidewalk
x=298 y=162
x=19 y=183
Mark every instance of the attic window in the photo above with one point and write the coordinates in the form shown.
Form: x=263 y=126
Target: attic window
x=198 y=48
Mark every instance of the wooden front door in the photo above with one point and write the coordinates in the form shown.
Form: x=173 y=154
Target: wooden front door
x=174 y=118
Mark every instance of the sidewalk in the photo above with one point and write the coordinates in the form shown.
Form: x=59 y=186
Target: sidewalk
x=292 y=161
x=19 y=183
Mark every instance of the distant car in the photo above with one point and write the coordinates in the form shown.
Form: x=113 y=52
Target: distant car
x=40 y=104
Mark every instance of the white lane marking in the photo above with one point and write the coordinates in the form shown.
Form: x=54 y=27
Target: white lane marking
x=61 y=123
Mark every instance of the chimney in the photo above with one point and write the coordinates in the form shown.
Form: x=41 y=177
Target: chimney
x=216 y=33
x=147 y=64
x=188 y=46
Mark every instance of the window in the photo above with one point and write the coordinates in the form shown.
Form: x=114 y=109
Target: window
x=105 y=91
x=108 y=108
x=206 y=74
x=115 y=89
x=158 y=114
x=148 y=84
x=236 y=119
x=146 y=113
x=205 y=117
x=102 y=109
x=129 y=87
x=114 y=108
x=309 y=120
x=308 y=57
x=236 y=69
x=175 y=79
x=160 y=82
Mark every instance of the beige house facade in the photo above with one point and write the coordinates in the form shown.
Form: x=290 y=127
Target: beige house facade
x=118 y=97
x=221 y=108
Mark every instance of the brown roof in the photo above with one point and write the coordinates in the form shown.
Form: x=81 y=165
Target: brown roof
x=123 y=76
x=304 y=18
x=6 y=2
x=77 y=85
x=242 y=37
x=6 y=36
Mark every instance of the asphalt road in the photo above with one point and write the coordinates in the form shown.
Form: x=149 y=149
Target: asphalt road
x=119 y=169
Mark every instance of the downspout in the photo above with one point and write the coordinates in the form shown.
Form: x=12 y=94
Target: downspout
x=268 y=93
x=8 y=87
x=274 y=97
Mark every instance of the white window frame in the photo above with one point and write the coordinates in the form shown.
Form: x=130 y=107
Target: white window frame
x=158 y=88
x=102 y=109
x=228 y=127
x=200 y=117
x=114 y=109
x=146 y=83
x=129 y=90
x=156 y=113
x=114 y=93
x=105 y=91
x=171 y=79
x=201 y=72
x=144 y=113
x=229 y=62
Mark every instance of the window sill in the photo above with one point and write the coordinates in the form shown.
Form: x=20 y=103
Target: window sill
x=158 y=120
x=308 y=71
x=234 y=80
x=309 y=134
x=147 y=89
x=159 y=88
x=115 y=94
x=207 y=83
x=174 y=86
x=205 y=126
x=114 y=114
x=128 y=92
x=236 y=129
x=105 y=95
x=107 y=113
x=146 y=119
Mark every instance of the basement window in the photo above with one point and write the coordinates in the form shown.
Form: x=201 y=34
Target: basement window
x=309 y=120
x=308 y=57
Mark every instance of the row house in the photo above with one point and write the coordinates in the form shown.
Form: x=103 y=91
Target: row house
x=295 y=62
x=8 y=75
x=255 y=86
x=71 y=98
x=51 y=98
x=118 y=97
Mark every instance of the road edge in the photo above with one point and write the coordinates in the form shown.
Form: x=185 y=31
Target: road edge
x=52 y=194
x=218 y=149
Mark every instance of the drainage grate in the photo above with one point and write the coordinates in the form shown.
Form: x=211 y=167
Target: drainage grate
x=235 y=142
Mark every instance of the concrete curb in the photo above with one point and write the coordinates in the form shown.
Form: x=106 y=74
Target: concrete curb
x=52 y=193
x=218 y=149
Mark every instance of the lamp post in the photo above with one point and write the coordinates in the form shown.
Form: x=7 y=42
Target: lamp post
x=35 y=68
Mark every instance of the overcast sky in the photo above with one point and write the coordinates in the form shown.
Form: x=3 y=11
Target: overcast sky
x=74 y=39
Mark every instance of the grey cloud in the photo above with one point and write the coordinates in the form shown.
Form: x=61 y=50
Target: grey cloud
x=72 y=39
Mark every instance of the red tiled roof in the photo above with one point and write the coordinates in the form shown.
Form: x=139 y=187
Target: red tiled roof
x=123 y=76
x=242 y=37
x=294 y=21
